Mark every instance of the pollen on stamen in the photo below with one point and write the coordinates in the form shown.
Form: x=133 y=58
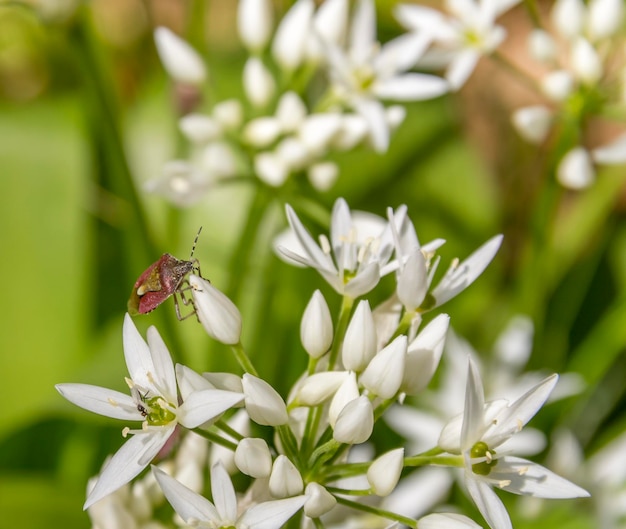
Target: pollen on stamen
x=125 y=432
x=504 y=483
x=520 y=425
x=488 y=457
x=522 y=471
x=113 y=402
x=129 y=382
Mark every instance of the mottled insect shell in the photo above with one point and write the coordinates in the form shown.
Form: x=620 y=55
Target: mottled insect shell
x=157 y=283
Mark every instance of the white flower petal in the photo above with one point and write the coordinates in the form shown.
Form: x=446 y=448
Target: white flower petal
x=355 y=423
x=384 y=472
x=285 y=479
x=203 y=406
x=331 y=21
x=531 y=479
x=313 y=251
x=512 y=418
x=411 y=87
x=102 y=401
x=190 y=381
x=365 y=280
x=383 y=376
x=164 y=374
x=363 y=31
x=413 y=281
x=137 y=355
x=223 y=493
x=263 y=403
x=374 y=113
x=359 y=343
x=347 y=392
x=134 y=455
x=461 y=68
x=613 y=153
x=445 y=520
x=271 y=514
x=473 y=422
x=463 y=275
x=320 y=387
x=488 y=503
x=253 y=457
x=189 y=505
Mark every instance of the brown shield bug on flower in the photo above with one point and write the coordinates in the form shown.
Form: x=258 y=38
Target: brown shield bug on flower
x=161 y=280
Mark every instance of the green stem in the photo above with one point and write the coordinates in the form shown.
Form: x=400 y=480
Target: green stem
x=240 y=258
x=420 y=461
x=215 y=438
x=242 y=358
x=342 y=325
x=349 y=492
x=378 y=512
x=318 y=523
x=223 y=425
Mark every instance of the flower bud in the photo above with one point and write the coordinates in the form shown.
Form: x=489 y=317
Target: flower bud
x=444 y=520
x=568 y=16
x=319 y=502
x=254 y=23
x=575 y=170
x=217 y=313
x=586 y=62
x=285 y=480
x=316 y=328
x=271 y=168
x=253 y=457
x=292 y=34
x=290 y=111
x=605 y=18
x=423 y=355
x=319 y=387
x=359 y=344
x=347 y=392
x=533 y=123
x=258 y=82
x=229 y=114
x=198 y=128
x=384 y=473
x=383 y=376
x=261 y=132
x=355 y=422
x=542 y=46
x=181 y=62
x=558 y=85
x=264 y=405
x=323 y=175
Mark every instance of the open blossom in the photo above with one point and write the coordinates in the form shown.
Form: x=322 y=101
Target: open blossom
x=367 y=72
x=224 y=511
x=478 y=435
x=352 y=261
x=153 y=400
x=463 y=37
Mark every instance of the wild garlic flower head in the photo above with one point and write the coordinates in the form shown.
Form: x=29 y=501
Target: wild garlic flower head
x=153 y=401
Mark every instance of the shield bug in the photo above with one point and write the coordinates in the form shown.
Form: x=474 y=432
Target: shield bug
x=161 y=280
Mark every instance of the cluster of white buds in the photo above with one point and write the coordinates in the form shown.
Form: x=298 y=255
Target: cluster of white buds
x=359 y=366
x=583 y=54
x=278 y=132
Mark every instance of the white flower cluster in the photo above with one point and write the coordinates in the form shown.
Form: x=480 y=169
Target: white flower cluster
x=358 y=367
x=583 y=55
x=313 y=86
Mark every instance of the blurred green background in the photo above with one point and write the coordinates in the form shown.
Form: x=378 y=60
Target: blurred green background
x=73 y=243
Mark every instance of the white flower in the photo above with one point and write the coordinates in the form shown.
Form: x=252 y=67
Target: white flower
x=469 y=33
x=367 y=72
x=533 y=123
x=481 y=430
x=575 y=170
x=359 y=343
x=217 y=313
x=360 y=245
x=196 y=510
x=180 y=60
x=153 y=400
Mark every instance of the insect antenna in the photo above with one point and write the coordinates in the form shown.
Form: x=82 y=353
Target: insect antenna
x=195 y=241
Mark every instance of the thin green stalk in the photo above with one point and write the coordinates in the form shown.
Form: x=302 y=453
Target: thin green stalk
x=240 y=258
x=340 y=330
x=242 y=358
x=378 y=512
x=215 y=438
x=349 y=492
x=223 y=425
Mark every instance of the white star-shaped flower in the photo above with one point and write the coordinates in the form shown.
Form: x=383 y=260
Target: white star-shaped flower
x=478 y=435
x=153 y=400
x=367 y=71
x=197 y=511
